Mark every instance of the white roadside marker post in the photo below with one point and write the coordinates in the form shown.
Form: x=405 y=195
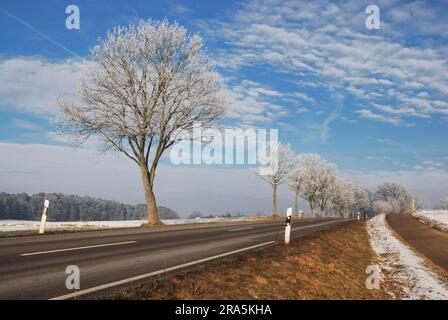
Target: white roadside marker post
x=288 y=225
x=359 y=215
x=44 y=217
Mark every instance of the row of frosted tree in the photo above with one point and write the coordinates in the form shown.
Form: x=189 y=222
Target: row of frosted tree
x=318 y=182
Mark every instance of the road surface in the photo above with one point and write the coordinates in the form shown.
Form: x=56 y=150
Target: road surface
x=34 y=267
x=430 y=242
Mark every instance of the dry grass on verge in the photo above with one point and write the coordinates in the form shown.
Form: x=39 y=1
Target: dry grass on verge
x=328 y=265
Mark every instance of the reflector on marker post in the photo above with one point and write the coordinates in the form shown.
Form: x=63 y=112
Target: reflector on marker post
x=288 y=225
x=44 y=217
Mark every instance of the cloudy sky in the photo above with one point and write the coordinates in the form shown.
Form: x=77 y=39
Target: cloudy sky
x=375 y=102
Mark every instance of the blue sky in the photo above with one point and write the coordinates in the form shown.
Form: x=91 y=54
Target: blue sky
x=375 y=102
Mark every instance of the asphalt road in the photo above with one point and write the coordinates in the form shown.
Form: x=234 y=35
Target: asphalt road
x=430 y=242
x=34 y=267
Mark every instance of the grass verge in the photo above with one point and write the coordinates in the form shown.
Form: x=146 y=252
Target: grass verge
x=330 y=264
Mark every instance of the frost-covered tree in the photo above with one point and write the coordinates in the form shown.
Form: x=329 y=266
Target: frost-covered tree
x=381 y=206
x=342 y=198
x=147 y=83
x=395 y=195
x=347 y=199
x=442 y=204
x=361 y=201
x=295 y=183
x=326 y=181
x=308 y=165
x=317 y=177
x=280 y=169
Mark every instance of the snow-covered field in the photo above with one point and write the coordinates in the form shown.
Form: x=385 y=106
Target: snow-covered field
x=435 y=218
x=401 y=266
x=26 y=225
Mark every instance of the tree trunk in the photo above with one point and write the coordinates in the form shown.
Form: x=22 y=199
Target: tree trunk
x=296 y=209
x=322 y=209
x=153 y=216
x=313 y=211
x=274 y=202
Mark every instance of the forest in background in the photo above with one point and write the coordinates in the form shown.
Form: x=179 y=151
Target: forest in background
x=22 y=206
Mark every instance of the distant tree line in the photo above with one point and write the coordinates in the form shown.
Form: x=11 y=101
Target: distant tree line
x=442 y=204
x=199 y=215
x=22 y=206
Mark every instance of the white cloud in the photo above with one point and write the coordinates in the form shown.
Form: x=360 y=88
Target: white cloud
x=24 y=124
x=302 y=96
x=302 y=110
x=376 y=158
x=400 y=111
x=389 y=142
x=368 y=114
x=249 y=103
x=327 y=43
x=32 y=85
x=180 y=10
x=348 y=120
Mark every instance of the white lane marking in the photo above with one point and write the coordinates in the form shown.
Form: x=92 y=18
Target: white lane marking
x=151 y=274
x=315 y=225
x=77 y=248
x=240 y=229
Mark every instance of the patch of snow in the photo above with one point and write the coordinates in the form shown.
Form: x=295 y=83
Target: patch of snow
x=401 y=265
x=27 y=225
x=435 y=218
